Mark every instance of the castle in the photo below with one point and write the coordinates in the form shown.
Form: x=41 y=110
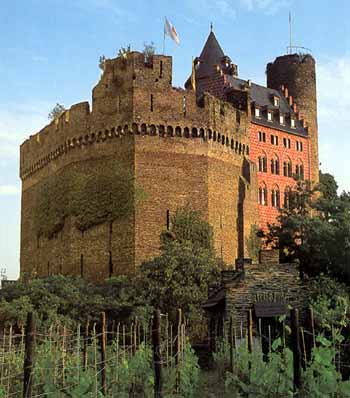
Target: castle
x=100 y=185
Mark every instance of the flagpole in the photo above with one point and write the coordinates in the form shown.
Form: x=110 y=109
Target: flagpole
x=164 y=37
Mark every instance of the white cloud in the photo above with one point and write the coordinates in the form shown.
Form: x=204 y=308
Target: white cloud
x=216 y=8
x=333 y=87
x=270 y=7
x=8 y=190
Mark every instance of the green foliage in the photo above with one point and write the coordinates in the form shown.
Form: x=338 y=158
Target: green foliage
x=254 y=243
x=330 y=302
x=56 y=111
x=253 y=377
x=102 y=192
x=69 y=300
x=180 y=276
x=315 y=229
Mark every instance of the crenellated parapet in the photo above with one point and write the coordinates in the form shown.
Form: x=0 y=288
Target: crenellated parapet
x=202 y=134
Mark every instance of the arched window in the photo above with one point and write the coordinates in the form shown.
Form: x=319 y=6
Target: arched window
x=262 y=163
x=287 y=197
x=135 y=128
x=275 y=165
x=275 y=197
x=153 y=130
x=262 y=198
x=194 y=132
x=214 y=136
x=186 y=132
x=210 y=134
x=299 y=170
x=143 y=128
x=287 y=168
x=201 y=133
x=161 y=130
x=178 y=131
x=170 y=131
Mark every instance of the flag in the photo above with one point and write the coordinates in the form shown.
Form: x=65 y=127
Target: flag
x=170 y=30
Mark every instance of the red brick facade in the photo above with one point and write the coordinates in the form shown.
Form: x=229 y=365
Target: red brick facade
x=268 y=213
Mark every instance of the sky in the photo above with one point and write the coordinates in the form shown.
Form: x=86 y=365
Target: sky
x=50 y=51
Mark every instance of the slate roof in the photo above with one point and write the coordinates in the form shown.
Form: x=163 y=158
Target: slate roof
x=212 y=54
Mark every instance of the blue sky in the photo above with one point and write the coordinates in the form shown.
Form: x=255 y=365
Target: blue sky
x=50 y=51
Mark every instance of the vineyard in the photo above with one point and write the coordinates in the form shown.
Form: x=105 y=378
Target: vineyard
x=155 y=359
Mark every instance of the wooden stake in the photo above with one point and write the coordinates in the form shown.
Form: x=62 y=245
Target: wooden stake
x=117 y=349
x=304 y=348
x=156 y=344
x=124 y=347
x=85 y=347
x=167 y=338
x=231 y=342
x=63 y=354
x=78 y=351
x=250 y=330
x=95 y=359
x=103 y=354
x=178 y=349
x=296 y=349
x=28 y=366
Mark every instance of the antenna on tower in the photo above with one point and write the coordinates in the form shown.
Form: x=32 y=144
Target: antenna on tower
x=293 y=48
x=290 y=32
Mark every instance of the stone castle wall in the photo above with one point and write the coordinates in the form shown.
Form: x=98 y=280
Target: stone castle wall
x=177 y=152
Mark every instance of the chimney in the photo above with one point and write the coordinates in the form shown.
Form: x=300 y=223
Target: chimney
x=249 y=82
x=286 y=92
x=282 y=88
x=290 y=99
x=294 y=107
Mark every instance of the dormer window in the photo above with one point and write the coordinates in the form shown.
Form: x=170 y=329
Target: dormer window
x=269 y=116
x=276 y=101
x=292 y=123
x=257 y=112
x=281 y=119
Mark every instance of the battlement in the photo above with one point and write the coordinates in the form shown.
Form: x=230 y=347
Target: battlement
x=135 y=97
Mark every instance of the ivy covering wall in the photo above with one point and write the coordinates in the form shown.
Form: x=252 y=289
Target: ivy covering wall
x=92 y=192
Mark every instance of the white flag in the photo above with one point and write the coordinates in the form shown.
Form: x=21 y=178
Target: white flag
x=170 y=30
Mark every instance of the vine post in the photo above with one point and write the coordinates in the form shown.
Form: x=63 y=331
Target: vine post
x=28 y=367
x=103 y=353
x=296 y=349
x=157 y=358
x=232 y=343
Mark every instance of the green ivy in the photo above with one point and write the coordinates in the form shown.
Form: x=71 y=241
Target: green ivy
x=93 y=193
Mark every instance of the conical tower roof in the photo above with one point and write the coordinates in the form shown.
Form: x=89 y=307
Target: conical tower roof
x=212 y=51
x=211 y=55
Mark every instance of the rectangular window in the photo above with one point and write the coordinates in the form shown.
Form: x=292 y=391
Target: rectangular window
x=269 y=116
x=281 y=119
x=257 y=112
x=276 y=101
x=292 y=123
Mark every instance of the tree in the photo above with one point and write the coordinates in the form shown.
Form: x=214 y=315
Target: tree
x=148 y=52
x=56 y=111
x=180 y=276
x=315 y=229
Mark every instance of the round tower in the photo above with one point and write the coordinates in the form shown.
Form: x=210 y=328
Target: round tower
x=297 y=73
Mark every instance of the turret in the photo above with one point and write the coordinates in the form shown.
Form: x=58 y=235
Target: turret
x=296 y=73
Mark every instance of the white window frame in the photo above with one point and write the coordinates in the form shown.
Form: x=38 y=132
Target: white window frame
x=281 y=119
x=257 y=112
x=269 y=116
